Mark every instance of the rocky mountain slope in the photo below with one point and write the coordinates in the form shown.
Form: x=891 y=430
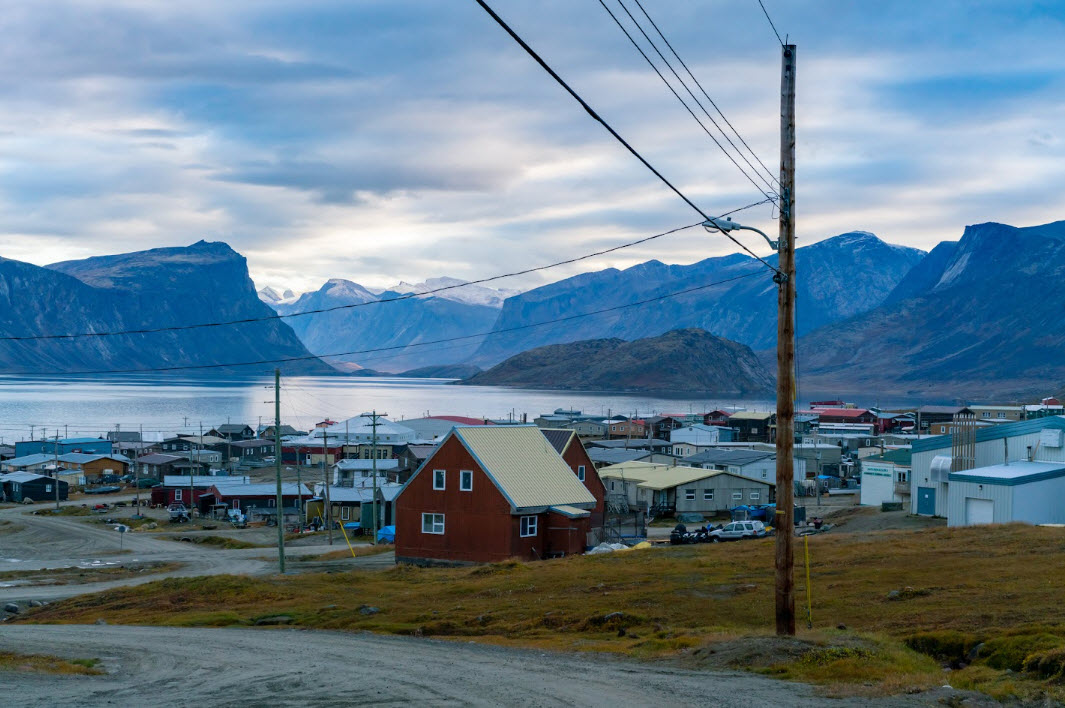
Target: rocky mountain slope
x=838 y=277
x=983 y=318
x=391 y=326
x=205 y=282
x=683 y=361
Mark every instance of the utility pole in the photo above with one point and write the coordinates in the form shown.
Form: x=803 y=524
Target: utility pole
x=373 y=446
x=299 y=487
x=325 y=476
x=277 y=470
x=785 y=514
x=56 y=474
x=137 y=481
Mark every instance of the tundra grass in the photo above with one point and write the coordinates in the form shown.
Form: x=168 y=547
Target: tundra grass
x=956 y=590
x=43 y=664
x=360 y=549
x=223 y=542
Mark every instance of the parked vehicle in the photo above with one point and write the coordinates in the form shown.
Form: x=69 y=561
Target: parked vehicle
x=680 y=535
x=178 y=513
x=738 y=530
x=147 y=483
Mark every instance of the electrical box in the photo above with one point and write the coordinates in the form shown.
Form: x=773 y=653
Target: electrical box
x=1051 y=437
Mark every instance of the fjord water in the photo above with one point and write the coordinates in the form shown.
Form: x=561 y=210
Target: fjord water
x=93 y=406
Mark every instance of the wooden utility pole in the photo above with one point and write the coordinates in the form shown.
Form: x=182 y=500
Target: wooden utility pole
x=277 y=470
x=785 y=515
x=55 y=474
x=373 y=447
x=325 y=475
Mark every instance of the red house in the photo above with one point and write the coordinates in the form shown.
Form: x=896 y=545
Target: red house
x=489 y=493
x=568 y=444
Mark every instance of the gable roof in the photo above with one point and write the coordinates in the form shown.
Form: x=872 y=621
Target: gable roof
x=523 y=466
x=29 y=460
x=22 y=477
x=559 y=439
x=232 y=428
x=718 y=456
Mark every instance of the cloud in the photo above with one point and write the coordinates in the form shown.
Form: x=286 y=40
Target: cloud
x=381 y=140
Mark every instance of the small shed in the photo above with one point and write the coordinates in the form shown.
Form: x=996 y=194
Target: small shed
x=1029 y=492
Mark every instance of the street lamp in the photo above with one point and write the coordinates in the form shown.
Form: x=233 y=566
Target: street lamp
x=726 y=225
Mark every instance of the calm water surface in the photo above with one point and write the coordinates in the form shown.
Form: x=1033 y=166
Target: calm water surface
x=78 y=405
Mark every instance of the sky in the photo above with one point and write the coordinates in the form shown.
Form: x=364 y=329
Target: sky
x=388 y=140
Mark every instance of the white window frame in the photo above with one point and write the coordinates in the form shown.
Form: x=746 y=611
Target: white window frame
x=737 y=496
x=345 y=513
x=177 y=495
x=708 y=495
x=465 y=475
x=435 y=521
x=581 y=473
x=528 y=526
x=755 y=496
x=689 y=494
x=439 y=480
x=765 y=474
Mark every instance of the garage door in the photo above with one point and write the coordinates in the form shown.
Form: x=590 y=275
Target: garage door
x=979 y=511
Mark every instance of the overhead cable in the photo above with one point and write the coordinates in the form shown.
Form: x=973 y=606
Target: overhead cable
x=703 y=91
x=632 y=40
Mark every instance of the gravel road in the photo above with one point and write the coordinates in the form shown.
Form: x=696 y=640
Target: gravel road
x=163 y=666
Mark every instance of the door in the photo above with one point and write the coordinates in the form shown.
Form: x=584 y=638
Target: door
x=926 y=501
x=979 y=511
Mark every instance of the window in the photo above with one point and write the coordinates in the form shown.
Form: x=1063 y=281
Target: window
x=1001 y=415
x=737 y=496
x=754 y=431
x=580 y=472
x=345 y=513
x=612 y=485
x=466 y=481
x=273 y=503
x=708 y=495
x=177 y=495
x=433 y=523
x=987 y=414
x=689 y=494
x=439 y=476
x=755 y=496
x=528 y=526
x=47 y=488
x=765 y=473
x=613 y=428
x=236 y=503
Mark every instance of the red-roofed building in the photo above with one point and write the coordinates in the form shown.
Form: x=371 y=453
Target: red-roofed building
x=846 y=415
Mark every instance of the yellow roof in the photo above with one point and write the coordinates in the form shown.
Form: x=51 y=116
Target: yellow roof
x=632 y=471
x=524 y=466
x=676 y=476
x=750 y=415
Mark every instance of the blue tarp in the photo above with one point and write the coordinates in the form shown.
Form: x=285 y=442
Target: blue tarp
x=386 y=534
x=352 y=526
x=824 y=476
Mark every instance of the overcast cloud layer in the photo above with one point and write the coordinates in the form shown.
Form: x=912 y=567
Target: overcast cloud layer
x=393 y=139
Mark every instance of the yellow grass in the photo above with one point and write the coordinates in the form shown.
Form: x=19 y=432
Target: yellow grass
x=991 y=585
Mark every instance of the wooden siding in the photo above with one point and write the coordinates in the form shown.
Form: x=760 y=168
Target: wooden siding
x=575 y=456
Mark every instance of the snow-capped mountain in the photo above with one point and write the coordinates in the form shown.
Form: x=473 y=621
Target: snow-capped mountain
x=271 y=297
x=468 y=294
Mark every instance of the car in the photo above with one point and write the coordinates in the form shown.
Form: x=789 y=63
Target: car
x=147 y=482
x=738 y=530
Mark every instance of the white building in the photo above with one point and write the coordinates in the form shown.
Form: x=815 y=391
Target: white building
x=698 y=435
x=1040 y=439
x=1029 y=492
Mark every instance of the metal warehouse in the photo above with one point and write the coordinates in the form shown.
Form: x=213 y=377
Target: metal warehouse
x=1029 y=492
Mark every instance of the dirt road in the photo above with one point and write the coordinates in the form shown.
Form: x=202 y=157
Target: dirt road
x=47 y=541
x=244 y=667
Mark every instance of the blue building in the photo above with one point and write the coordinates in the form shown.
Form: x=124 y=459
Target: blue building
x=94 y=446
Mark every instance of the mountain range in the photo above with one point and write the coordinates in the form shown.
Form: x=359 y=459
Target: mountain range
x=983 y=316
x=160 y=288
x=689 y=361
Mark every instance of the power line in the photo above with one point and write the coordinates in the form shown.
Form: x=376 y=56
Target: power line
x=350 y=306
x=678 y=96
x=693 y=96
x=766 y=13
x=591 y=111
x=417 y=344
x=703 y=91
